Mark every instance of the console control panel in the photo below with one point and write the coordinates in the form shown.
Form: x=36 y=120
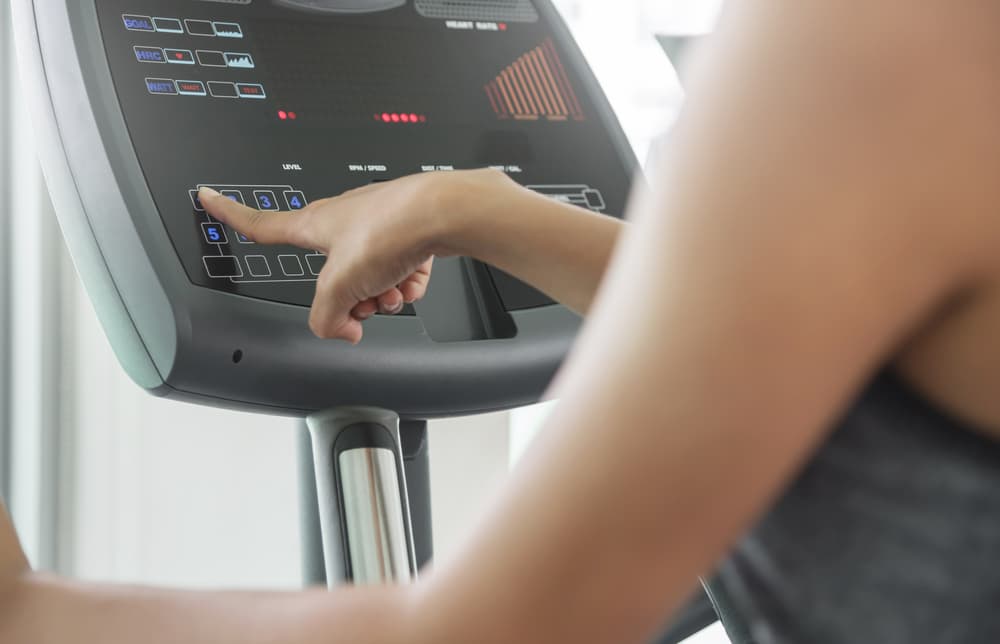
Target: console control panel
x=299 y=106
x=233 y=257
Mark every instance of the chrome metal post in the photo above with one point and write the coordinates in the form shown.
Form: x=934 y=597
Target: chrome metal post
x=363 y=502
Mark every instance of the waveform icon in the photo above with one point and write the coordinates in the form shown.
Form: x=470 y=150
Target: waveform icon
x=535 y=86
x=241 y=61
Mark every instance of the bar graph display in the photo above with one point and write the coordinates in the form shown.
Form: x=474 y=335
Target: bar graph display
x=535 y=87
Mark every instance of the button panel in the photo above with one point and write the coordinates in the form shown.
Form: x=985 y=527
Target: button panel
x=229 y=255
x=214 y=58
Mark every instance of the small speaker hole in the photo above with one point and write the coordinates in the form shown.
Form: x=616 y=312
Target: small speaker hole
x=237 y=356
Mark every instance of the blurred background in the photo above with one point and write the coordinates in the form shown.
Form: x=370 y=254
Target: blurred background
x=107 y=483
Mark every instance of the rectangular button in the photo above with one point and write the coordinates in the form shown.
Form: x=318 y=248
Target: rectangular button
x=160 y=86
x=200 y=27
x=168 y=25
x=250 y=90
x=235 y=195
x=316 y=263
x=149 y=55
x=138 y=23
x=258 y=265
x=291 y=265
x=239 y=60
x=228 y=30
x=215 y=233
x=211 y=58
x=195 y=201
x=179 y=56
x=266 y=200
x=221 y=266
x=191 y=88
x=243 y=239
x=220 y=89
x=296 y=199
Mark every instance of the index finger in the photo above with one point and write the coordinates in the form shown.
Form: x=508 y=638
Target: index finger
x=257 y=225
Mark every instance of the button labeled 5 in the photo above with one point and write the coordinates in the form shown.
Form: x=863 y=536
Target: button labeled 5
x=215 y=233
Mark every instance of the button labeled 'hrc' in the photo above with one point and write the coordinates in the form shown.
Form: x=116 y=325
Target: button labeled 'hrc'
x=149 y=55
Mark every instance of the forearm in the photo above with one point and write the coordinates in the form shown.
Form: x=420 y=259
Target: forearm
x=558 y=248
x=43 y=610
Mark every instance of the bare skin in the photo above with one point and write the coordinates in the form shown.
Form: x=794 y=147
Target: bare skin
x=827 y=208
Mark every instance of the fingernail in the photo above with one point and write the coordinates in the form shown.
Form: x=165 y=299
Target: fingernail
x=396 y=309
x=209 y=192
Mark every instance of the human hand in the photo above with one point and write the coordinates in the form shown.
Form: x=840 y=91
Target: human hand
x=380 y=241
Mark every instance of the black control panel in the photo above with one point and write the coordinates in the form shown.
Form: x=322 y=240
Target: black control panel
x=274 y=108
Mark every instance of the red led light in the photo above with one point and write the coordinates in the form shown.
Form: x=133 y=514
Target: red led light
x=414 y=118
x=283 y=115
x=293 y=115
x=395 y=118
x=386 y=118
x=503 y=26
x=423 y=119
x=405 y=118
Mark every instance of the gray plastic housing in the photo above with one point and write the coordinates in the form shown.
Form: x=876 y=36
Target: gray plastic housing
x=179 y=340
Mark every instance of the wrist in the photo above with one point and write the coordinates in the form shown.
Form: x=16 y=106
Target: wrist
x=465 y=204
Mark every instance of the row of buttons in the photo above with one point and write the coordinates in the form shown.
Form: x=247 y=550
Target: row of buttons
x=218 y=89
x=266 y=199
x=206 y=28
x=259 y=267
x=234 y=60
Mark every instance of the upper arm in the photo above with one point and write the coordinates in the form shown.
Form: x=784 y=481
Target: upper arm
x=806 y=220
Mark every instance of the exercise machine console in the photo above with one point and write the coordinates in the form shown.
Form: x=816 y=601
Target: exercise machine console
x=276 y=103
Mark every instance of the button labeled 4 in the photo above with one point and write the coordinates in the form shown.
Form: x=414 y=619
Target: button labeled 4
x=296 y=200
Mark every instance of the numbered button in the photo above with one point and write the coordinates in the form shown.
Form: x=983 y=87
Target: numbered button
x=215 y=233
x=266 y=199
x=195 y=201
x=235 y=195
x=296 y=200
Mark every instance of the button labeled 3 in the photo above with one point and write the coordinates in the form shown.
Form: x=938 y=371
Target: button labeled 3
x=265 y=200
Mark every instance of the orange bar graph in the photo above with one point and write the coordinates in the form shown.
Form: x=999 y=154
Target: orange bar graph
x=535 y=86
